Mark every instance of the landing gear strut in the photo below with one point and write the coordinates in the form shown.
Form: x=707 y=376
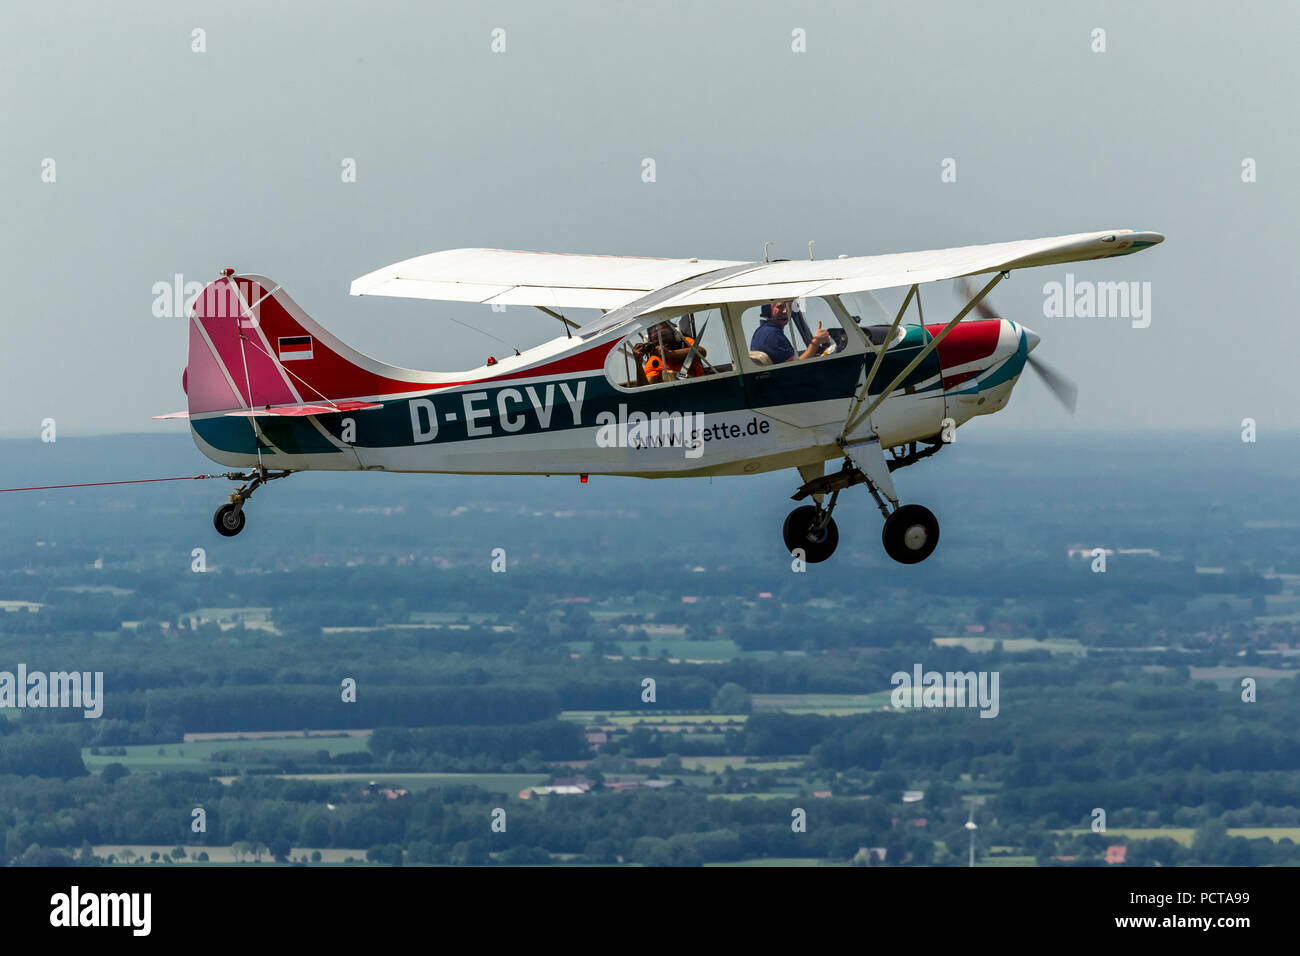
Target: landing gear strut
x=911 y=532
x=810 y=530
x=229 y=519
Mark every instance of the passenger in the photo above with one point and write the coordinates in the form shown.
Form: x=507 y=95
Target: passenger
x=770 y=338
x=665 y=350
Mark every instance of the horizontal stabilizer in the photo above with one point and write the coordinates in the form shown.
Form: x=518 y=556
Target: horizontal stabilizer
x=159 y=418
x=299 y=411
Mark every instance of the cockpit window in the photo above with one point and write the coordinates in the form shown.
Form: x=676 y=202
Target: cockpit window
x=672 y=351
x=876 y=334
x=873 y=317
x=796 y=330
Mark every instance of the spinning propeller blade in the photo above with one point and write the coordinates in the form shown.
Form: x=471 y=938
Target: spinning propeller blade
x=966 y=291
x=1061 y=387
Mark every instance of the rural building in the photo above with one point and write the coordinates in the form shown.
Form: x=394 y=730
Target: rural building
x=871 y=855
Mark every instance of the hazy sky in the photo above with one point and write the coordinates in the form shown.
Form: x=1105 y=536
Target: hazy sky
x=170 y=161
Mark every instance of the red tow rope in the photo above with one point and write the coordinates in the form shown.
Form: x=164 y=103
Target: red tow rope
x=93 y=484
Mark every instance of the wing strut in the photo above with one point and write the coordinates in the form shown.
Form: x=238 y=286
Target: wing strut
x=856 y=419
x=569 y=324
x=880 y=357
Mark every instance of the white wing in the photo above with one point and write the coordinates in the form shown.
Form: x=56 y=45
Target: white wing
x=789 y=280
x=555 y=280
x=558 y=280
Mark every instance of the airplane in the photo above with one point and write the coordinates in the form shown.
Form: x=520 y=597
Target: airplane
x=691 y=367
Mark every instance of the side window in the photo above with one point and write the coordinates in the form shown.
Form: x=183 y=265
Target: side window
x=795 y=330
x=873 y=318
x=673 y=351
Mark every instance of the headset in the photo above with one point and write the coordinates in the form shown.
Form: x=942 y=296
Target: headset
x=839 y=338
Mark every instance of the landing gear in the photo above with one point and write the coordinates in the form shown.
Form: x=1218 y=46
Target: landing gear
x=811 y=530
x=910 y=534
x=229 y=519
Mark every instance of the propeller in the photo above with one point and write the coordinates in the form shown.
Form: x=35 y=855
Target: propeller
x=1061 y=387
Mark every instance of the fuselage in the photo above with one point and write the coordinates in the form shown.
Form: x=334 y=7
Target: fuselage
x=558 y=408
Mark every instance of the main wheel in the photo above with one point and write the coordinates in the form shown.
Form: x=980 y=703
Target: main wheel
x=228 y=521
x=910 y=534
x=798 y=533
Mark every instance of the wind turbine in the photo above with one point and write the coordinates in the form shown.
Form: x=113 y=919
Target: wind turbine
x=970 y=825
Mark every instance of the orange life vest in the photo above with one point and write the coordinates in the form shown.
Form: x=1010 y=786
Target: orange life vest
x=654 y=365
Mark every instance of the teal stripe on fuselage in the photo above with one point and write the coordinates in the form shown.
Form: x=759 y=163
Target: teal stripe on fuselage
x=1013 y=366
x=231 y=434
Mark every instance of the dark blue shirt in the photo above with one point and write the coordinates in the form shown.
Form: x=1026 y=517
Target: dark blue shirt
x=768 y=338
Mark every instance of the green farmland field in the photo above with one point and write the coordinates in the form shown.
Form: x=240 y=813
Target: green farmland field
x=1184 y=834
x=196 y=754
x=510 y=783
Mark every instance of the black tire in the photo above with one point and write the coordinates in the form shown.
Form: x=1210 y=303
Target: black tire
x=910 y=534
x=227 y=521
x=797 y=532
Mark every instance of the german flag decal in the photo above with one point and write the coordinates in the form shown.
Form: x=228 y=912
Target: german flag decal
x=294 y=347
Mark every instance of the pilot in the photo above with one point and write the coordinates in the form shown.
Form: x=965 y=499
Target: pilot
x=770 y=338
x=665 y=350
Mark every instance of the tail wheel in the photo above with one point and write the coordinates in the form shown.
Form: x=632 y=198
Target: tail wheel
x=910 y=534
x=816 y=545
x=228 y=521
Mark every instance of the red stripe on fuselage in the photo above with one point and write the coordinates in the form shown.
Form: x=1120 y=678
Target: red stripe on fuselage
x=967 y=342
x=952 y=381
x=592 y=360
x=327 y=374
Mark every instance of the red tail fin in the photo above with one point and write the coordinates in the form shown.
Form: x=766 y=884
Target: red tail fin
x=252 y=346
